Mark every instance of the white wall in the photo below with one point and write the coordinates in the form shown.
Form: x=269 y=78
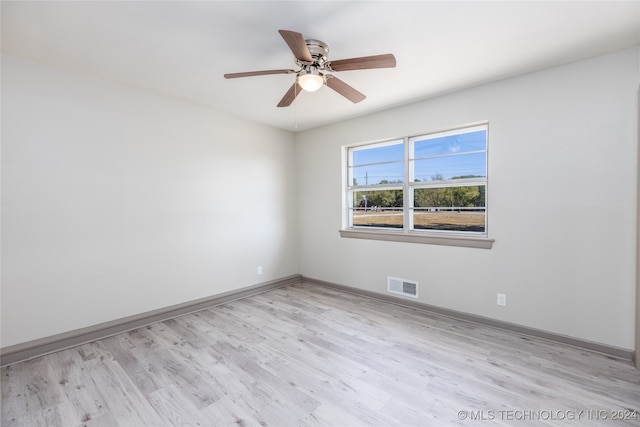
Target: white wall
x=116 y=202
x=562 y=202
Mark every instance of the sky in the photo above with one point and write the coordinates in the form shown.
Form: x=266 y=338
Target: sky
x=447 y=156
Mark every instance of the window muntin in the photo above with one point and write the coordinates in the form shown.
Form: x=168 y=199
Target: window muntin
x=450 y=167
x=443 y=175
x=380 y=173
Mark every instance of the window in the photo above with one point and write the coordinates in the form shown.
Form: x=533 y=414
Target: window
x=376 y=180
x=426 y=186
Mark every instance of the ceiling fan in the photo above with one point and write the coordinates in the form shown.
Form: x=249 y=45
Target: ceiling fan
x=311 y=58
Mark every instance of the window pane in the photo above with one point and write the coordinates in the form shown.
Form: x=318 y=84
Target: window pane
x=452 y=144
x=377 y=174
x=450 y=208
x=378 y=208
x=448 y=220
x=450 y=167
x=377 y=154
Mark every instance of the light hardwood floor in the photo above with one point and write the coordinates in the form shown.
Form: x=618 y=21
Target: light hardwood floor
x=306 y=355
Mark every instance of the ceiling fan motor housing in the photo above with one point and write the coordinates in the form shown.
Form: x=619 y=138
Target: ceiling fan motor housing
x=318 y=49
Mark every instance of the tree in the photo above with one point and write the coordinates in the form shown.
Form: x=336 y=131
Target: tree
x=463 y=197
x=441 y=197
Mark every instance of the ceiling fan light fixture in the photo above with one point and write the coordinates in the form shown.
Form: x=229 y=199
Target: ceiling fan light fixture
x=311 y=80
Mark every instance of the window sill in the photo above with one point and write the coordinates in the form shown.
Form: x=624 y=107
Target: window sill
x=445 y=240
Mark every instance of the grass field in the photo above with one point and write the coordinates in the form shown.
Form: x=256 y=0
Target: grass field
x=454 y=221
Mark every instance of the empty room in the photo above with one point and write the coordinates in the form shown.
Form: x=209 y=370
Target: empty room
x=319 y=213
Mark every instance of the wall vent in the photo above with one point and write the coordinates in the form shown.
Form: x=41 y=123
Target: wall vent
x=404 y=287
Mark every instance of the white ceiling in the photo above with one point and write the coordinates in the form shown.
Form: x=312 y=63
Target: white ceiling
x=182 y=49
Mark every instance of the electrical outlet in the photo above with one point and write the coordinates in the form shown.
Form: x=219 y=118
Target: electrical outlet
x=502 y=300
x=259 y=270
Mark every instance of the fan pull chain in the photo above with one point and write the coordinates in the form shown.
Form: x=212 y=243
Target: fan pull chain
x=295 y=108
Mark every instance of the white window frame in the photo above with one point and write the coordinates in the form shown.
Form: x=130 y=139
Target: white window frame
x=408 y=233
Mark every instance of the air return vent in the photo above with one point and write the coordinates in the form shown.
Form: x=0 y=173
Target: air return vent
x=402 y=287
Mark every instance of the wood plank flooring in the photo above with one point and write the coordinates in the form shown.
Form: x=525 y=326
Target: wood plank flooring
x=305 y=355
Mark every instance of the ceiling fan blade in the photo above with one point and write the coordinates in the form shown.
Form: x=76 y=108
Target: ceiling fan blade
x=344 y=89
x=364 y=63
x=256 y=73
x=291 y=94
x=297 y=45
